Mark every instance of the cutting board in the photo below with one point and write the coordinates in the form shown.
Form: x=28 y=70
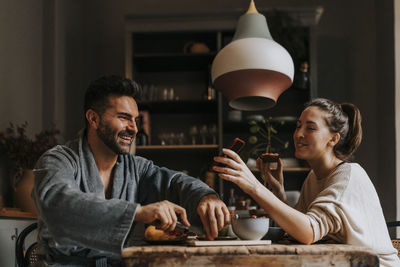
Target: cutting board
x=201 y=243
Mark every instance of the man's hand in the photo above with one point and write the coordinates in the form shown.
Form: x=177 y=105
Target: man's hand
x=162 y=214
x=213 y=214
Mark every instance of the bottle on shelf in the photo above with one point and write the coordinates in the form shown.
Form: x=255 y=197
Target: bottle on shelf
x=165 y=94
x=142 y=138
x=210 y=93
x=303 y=81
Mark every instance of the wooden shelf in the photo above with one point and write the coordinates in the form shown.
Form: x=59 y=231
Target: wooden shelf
x=16 y=213
x=177 y=147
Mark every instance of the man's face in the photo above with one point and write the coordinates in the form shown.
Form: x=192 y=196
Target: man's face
x=117 y=127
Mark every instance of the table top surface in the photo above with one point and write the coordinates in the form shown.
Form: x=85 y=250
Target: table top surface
x=286 y=254
x=295 y=249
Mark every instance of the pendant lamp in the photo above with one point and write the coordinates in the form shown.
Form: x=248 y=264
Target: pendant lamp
x=253 y=70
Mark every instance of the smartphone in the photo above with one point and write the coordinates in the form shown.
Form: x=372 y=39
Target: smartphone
x=236 y=145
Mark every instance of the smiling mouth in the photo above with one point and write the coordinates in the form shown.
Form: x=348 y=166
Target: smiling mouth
x=126 y=138
x=299 y=145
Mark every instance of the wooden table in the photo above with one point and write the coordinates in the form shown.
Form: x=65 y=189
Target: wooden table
x=267 y=255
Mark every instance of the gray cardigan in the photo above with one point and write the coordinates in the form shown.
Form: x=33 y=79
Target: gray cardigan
x=76 y=219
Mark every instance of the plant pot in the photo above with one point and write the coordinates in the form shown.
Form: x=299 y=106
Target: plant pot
x=22 y=192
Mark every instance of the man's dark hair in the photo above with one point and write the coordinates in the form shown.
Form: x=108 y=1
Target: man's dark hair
x=98 y=92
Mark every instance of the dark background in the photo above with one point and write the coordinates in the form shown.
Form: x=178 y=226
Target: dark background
x=50 y=50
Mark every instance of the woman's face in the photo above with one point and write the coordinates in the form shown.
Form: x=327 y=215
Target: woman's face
x=312 y=138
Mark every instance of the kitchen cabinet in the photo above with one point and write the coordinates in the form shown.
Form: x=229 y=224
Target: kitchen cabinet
x=175 y=79
x=182 y=112
x=10 y=228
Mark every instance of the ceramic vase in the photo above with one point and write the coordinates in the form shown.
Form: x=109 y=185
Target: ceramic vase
x=22 y=192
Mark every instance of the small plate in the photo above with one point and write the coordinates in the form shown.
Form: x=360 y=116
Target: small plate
x=167 y=242
x=220 y=238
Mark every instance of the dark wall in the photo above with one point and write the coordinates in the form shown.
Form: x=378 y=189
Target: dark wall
x=356 y=64
x=385 y=102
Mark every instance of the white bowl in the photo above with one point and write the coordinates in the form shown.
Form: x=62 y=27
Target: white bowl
x=250 y=228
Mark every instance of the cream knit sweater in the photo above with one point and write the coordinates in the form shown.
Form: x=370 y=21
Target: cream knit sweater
x=345 y=207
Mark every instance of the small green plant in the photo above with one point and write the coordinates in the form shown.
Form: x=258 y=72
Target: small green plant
x=263 y=136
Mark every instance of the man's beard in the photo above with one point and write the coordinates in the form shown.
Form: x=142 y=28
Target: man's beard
x=110 y=139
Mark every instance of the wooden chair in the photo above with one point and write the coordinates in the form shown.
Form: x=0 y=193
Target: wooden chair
x=22 y=257
x=395 y=242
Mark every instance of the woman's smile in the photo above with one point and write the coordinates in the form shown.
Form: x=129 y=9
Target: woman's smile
x=300 y=145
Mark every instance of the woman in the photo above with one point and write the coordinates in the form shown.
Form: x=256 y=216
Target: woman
x=337 y=200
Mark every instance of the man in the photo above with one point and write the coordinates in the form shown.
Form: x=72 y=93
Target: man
x=91 y=193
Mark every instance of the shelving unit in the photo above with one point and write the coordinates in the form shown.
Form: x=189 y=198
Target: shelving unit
x=157 y=54
x=161 y=61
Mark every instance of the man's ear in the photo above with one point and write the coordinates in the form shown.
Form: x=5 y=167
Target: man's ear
x=92 y=118
x=335 y=139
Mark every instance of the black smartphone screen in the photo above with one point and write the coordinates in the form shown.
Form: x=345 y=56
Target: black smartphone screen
x=237 y=145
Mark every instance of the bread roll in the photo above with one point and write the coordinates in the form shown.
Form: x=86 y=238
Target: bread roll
x=154 y=234
x=269 y=157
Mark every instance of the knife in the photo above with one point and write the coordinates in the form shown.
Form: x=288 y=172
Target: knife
x=191 y=230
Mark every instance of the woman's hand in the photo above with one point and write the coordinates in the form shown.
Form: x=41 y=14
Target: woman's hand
x=273 y=178
x=162 y=214
x=236 y=171
x=295 y=223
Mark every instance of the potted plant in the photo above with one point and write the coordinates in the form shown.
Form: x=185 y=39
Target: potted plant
x=263 y=139
x=23 y=152
x=263 y=134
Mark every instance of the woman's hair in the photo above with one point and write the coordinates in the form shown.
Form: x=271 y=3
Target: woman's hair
x=344 y=119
